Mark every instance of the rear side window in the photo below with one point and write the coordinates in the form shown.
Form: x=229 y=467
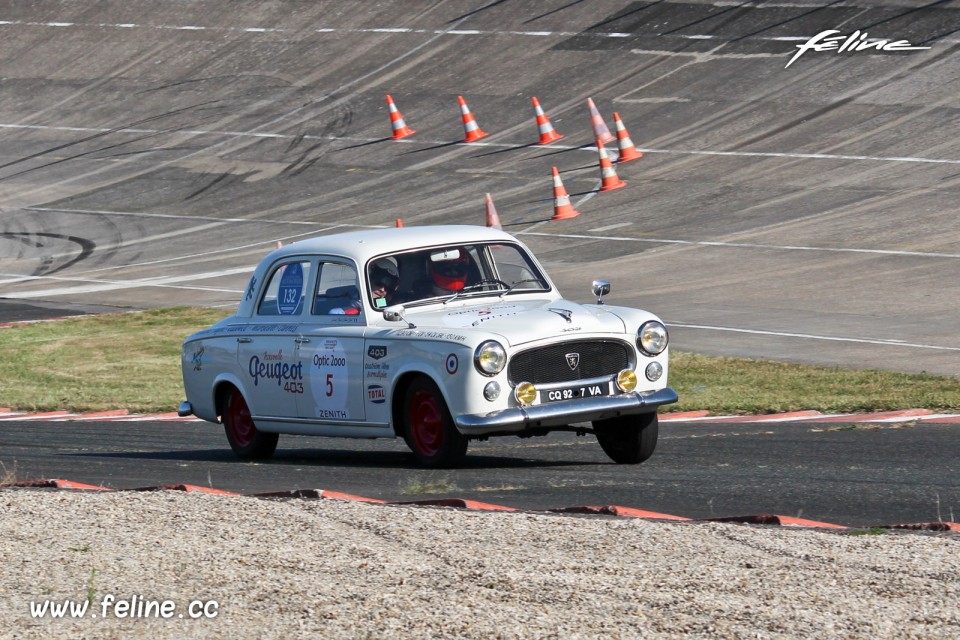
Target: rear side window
x=285 y=290
x=338 y=291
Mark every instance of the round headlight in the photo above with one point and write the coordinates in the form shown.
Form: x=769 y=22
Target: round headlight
x=652 y=338
x=490 y=358
x=525 y=393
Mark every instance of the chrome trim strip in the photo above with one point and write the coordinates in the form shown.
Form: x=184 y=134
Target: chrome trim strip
x=632 y=361
x=332 y=423
x=557 y=414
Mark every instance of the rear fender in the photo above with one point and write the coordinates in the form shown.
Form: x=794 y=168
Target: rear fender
x=222 y=384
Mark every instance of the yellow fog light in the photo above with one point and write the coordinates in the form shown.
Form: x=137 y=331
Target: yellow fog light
x=525 y=393
x=627 y=380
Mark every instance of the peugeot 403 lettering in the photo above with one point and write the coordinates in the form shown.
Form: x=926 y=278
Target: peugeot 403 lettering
x=439 y=335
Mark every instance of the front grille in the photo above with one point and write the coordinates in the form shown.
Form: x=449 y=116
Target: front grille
x=547 y=365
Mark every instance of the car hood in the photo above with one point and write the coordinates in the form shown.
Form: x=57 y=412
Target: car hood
x=519 y=322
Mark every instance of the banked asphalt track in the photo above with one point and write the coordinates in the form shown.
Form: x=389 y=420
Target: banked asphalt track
x=152 y=153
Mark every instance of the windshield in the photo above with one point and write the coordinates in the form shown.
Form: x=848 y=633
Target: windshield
x=446 y=273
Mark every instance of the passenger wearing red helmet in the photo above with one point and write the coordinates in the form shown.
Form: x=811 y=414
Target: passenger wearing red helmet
x=427 y=274
x=449 y=275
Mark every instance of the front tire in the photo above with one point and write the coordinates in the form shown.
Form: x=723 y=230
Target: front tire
x=628 y=439
x=428 y=427
x=245 y=439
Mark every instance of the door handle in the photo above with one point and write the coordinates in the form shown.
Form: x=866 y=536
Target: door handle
x=302 y=340
x=244 y=340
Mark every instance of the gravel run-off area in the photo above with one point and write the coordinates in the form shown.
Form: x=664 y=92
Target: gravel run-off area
x=341 y=569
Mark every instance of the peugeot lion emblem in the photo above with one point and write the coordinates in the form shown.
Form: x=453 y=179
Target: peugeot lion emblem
x=573 y=361
x=563 y=313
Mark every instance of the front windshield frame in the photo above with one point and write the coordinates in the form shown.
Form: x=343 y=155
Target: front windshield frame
x=492 y=269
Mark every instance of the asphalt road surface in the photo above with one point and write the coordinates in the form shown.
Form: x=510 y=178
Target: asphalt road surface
x=865 y=476
x=151 y=154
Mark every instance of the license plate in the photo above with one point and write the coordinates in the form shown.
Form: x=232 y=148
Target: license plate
x=576 y=391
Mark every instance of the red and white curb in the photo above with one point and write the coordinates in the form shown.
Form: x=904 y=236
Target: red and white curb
x=117 y=415
x=474 y=505
x=904 y=415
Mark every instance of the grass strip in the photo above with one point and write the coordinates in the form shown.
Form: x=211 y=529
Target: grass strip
x=132 y=361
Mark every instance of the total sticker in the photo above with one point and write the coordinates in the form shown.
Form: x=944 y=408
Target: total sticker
x=453 y=363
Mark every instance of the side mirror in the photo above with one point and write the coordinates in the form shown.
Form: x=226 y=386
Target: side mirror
x=394 y=313
x=600 y=289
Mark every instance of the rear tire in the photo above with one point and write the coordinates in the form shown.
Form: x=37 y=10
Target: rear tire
x=428 y=427
x=628 y=439
x=245 y=439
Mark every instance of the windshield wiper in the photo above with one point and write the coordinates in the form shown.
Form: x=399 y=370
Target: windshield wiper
x=518 y=283
x=482 y=283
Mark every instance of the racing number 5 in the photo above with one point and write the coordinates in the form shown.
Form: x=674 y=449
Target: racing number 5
x=329 y=384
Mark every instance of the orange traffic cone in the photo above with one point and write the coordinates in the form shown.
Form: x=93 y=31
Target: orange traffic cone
x=400 y=128
x=547 y=133
x=600 y=130
x=562 y=209
x=471 y=129
x=399 y=223
x=608 y=174
x=628 y=151
x=493 y=220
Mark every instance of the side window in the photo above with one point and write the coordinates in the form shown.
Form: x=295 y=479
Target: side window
x=285 y=290
x=338 y=291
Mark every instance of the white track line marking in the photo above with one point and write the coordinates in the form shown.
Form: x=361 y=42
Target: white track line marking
x=184 y=216
x=325 y=30
x=803 y=156
x=411 y=30
x=503 y=145
x=318 y=228
x=610 y=226
x=113 y=285
x=744 y=245
x=808 y=336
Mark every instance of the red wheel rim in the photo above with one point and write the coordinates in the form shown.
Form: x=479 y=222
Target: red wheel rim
x=426 y=423
x=239 y=421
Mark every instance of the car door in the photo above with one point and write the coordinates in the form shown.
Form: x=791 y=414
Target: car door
x=330 y=347
x=267 y=353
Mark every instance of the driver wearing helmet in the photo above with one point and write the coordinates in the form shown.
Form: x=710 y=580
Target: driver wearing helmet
x=449 y=276
x=384 y=278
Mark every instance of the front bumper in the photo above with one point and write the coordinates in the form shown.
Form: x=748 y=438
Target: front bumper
x=559 y=414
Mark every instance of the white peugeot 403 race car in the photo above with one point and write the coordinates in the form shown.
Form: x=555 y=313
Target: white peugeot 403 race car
x=436 y=334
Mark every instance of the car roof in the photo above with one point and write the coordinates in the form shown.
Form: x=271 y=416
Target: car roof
x=365 y=244
x=361 y=246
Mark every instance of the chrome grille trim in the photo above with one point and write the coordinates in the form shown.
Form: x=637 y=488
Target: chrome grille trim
x=548 y=364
